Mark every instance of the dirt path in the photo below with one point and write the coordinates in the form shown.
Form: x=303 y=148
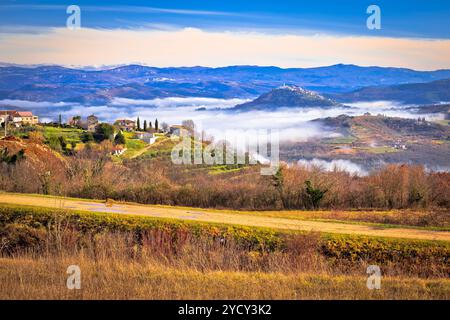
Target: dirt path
x=224 y=217
x=142 y=151
x=146 y=148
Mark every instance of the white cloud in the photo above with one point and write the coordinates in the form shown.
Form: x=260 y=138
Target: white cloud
x=190 y=47
x=292 y=124
x=389 y=109
x=33 y=104
x=382 y=104
x=130 y=9
x=197 y=102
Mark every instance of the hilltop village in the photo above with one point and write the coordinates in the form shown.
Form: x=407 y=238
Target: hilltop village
x=60 y=135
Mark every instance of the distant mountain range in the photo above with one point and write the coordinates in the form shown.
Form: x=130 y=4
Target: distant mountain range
x=87 y=86
x=287 y=96
x=414 y=93
x=294 y=97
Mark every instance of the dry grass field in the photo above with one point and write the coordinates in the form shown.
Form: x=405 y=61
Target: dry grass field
x=129 y=251
x=25 y=278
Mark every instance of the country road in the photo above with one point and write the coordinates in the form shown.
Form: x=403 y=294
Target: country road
x=223 y=216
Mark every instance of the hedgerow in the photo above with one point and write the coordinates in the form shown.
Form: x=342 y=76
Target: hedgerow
x=333 y=246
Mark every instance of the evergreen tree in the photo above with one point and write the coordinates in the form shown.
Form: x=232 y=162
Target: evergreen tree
x=156 y=124
x=315 y=194
x=150 y=124
x=145 y=125
x=60 y=120
x=278 y=183
x=138 y=124
x=120 y=138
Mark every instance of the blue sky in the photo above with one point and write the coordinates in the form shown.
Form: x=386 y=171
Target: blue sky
x=400 y=18
x=291 y=33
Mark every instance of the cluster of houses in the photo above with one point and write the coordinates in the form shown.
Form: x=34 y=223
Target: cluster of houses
x=399 y=145
x=90 y=124
x=126 y=125
x=22 y=118
x=92 y=121
x=17 y=118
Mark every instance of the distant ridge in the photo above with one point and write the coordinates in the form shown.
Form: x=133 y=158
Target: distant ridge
x=99 y=86
x=413 y=93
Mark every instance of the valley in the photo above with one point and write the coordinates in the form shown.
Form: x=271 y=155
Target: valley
x=359 y=183
x=372 y=140
x=237 y=151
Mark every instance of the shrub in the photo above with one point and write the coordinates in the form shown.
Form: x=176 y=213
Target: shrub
x=120 y=138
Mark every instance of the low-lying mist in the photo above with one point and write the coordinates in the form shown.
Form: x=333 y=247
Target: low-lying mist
x=216 y=115
x=338 y=165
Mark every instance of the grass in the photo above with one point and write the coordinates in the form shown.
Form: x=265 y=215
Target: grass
x=50 y=132
x=379 y=150
x=219 y=169
x=24 y=278
x=95 y=222
x=340 y=140
x=381 y=225
x=430 y=219
x=162 y=148
x=443 y=122
x=370 y=216
x=395 y=223
x=131 y=257
x=336 y=245
x=70 y=134
x=139 y=149
x=134 y=146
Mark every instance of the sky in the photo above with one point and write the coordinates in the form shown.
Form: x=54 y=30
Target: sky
x=414 y=34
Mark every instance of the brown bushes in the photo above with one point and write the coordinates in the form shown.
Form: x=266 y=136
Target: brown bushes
x=183 y=250
x=90 y=173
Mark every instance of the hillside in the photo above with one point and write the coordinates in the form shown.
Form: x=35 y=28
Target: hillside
x=287 y=96
x=389 y=128
x=209 y=260
x=373 y=141
x=37 y=155
x=414 y=93
x=443 y=108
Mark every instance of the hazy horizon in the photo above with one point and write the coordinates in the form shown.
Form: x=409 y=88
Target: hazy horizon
x=289 y=34
x=143 y=64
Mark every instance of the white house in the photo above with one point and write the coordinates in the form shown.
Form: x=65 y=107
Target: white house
x=118 y=150
x=147 y=137
x=18 y=118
